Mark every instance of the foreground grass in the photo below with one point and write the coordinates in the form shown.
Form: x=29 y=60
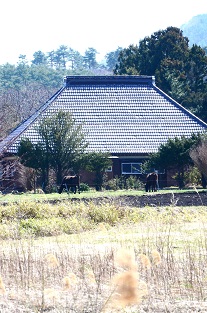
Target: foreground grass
x=41 y=218
x=86 y=257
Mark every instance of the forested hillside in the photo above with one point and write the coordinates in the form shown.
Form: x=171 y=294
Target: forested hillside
x=196 y=30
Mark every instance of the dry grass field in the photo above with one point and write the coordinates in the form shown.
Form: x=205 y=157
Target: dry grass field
x=79 y=257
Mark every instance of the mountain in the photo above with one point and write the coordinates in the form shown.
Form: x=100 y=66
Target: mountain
x=196 y=30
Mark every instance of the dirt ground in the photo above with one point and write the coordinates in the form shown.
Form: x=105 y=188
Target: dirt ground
x=178 y=199
x=156 y=199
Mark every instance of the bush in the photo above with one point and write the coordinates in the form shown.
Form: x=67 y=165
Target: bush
x=111 y=184
x=131 y=182
x=104 y=213
x=193 y=177
x=84 y=187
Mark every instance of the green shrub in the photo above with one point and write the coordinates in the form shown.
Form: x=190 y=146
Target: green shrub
x=132 y=182
x=122 y=182
x=111 y=184
x=84 y=187
x=54 y=226
x=193 y=176
x=105 y=213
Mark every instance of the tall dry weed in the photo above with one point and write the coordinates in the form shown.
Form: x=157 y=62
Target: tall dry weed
x=51 y=260
x=90 y=277
x=2 y=287
x=51 y=296
x=156 y=257
x=125 y=258
x=69 y=281
x=126 y=289
x=145 y=261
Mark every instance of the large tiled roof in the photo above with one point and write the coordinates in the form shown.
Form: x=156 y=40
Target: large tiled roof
x=120 y=114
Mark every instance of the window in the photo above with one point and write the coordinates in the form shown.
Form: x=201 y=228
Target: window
x=131 y=168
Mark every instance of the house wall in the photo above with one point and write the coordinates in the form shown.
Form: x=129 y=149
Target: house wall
x=87 y=177
x=117 y=169
x=14 y=176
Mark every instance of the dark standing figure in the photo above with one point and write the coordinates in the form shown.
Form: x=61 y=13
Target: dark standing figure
x=70 y=182
x=152 y=182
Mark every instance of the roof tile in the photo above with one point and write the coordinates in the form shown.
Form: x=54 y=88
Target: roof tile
x=121 y=114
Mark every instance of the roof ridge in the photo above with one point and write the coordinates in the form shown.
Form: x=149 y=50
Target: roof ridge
x=112 y=79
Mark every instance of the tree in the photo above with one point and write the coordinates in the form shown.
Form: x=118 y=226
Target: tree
x=112 y=58
x=147 y=58
x=179 y=71
x=51 y=58
x=22 y=71
x=61 y=56
x=128 y=62
x=90 y=58
x=7 y=76
x=39 y=58
x=174 y=154
x=34 y=156
x=199 y=156
x=63 y=141
x=98 y=162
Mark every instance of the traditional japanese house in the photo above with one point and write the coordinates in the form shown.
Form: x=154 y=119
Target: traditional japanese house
x=127 y=116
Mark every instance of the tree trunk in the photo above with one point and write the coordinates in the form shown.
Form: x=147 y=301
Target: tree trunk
x=59 y=174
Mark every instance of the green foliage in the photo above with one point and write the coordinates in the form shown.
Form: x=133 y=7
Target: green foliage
x=26 y=86
x=132 y=182
x=39 y=58
x=112 y=184
x=122 y=182
x=152 y=51
x=31 y=155
x=179 y=71
x=32 y=218
x=24 y=75
x=43 y=219
x=63 y=142
x=84 y=187
x=34 y=156
x=48 y=69
x=61 y=147
x=90 y=58
x=98 y=162
x=128 y=62
x=199 y=156
x=112 y=58
x=174 y=154
x=56 y=226
x=104 y=213
x=193 y=176
x=24 y=211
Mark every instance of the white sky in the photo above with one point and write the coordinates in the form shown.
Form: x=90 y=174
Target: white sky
x=31 y=25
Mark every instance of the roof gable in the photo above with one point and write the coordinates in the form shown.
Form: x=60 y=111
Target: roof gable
x=120 y=114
